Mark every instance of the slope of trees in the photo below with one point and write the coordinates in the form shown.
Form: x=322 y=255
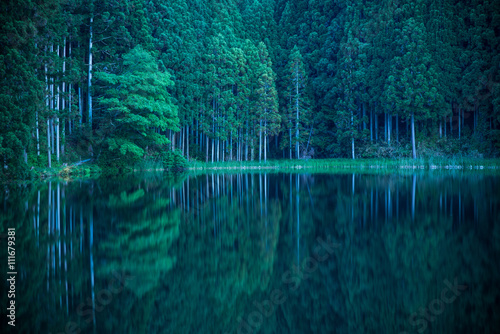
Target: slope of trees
x=416 y=77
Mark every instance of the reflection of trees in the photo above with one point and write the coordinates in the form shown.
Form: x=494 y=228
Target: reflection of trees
x=222 y=261
x=49 y=260
x=392 y=261
x=143 y=234
x=202 y=250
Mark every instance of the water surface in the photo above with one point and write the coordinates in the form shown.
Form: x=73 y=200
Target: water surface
x=257 y=253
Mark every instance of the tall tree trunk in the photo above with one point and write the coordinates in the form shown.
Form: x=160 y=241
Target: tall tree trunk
x=187 y=142
x=217 y=145
x=364 y=114
x=51 y=107
x=265 y=141
x=69 y=95
x=246 y=143
x=297 y=111
x=80 y=103
x=397 y=128
x=451 y=121
x=444 y=123
x=213 y=149
x=173 y=140
x=413 y=146
x=352 y=134
x=385 y=127
x=48 y=121
x=181 y=140
x=63 y=100
x=459 y=117
x=89 y=85
x=252 y=147
x=57 y=117
x=260 y=140
x=207 y=145
x=371 y=124
x=376 y=123
x=389 y=121
x=37 y=135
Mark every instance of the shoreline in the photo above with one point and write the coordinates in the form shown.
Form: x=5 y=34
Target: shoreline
x=367 y=164
x=92 y=171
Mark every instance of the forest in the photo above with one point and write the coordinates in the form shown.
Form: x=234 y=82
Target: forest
x=125 y=82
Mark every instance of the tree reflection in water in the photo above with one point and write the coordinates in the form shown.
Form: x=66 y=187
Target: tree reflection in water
x=204 y=248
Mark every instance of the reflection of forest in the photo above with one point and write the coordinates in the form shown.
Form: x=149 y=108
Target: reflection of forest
x=201 y=250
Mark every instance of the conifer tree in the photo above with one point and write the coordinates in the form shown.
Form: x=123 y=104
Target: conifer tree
x=137 y=108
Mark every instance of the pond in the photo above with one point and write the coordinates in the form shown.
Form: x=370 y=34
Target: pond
x=310 y=252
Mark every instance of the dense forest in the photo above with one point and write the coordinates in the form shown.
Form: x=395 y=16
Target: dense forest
x=122 y=82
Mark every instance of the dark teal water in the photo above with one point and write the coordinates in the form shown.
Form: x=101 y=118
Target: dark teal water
x=256 y=253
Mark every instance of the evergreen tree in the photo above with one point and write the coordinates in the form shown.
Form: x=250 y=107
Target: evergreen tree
x=267 y=101
x=298 y=119
x=136 y=107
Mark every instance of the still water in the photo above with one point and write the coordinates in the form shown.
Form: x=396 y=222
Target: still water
x=256 y=253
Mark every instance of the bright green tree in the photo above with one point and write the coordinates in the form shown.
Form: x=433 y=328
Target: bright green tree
x=136 y=107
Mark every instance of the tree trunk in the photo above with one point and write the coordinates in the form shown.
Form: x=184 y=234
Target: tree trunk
x=48 y=143
x=386 y=127
x=451 y=122
x=397 y=128
x=371 y=125
x=414 y=149
x=181 y=140
x=63 y=100
x=246 y=143
x=89 y=85
x=389 y=121
x=217 y=144
x=80 y=103
x=207 y=144
x=364 y=114
x=57 y=117
x=444 y=123
x=252 y=150
x=69 y=95
x=37 y=135
x=51 y=107
x=297 y=110
x=260 y=140
x=48 y=121
x=352 y=134
x=265 y=141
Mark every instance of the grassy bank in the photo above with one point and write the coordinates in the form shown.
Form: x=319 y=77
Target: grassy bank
x=91 y=170
x=430 y=164
x=67 y=172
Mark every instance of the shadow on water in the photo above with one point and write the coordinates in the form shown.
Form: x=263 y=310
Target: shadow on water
x=210 y=253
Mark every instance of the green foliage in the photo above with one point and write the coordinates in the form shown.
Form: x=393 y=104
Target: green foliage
x=137 y=107
x=219 y=80
x=173 y=160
